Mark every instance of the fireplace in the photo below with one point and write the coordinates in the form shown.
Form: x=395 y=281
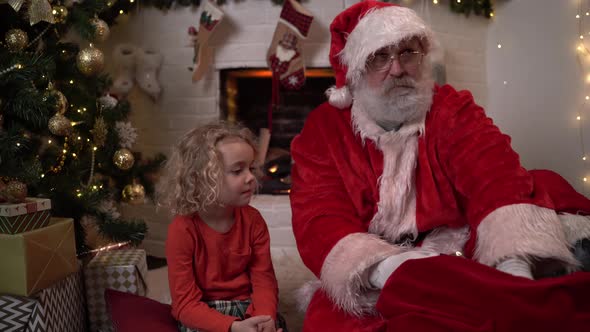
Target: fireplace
x=245 y=97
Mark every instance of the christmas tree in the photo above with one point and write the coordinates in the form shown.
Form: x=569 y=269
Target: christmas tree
x=62 y=136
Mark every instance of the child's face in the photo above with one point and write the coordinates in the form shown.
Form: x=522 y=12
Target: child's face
x=238 y=180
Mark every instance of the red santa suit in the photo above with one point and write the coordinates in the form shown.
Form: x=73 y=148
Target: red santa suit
x=360 y=192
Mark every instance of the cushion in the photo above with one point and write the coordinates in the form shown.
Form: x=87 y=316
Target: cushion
x=131 y=313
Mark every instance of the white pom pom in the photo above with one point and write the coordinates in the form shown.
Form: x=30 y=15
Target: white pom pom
x=339 y=97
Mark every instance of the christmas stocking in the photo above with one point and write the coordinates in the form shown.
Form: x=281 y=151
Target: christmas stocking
x=211 y=15
x=148 y=65
x=285 y=55
x=124 y=56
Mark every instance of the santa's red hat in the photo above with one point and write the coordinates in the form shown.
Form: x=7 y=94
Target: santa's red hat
x=362 y=29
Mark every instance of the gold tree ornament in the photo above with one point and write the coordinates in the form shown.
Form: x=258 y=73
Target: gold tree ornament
x=14 y=192
x=90 y=61
x=60 y=13
x=59 y=125
x=16 y=40
x=101 y=30
x=133 y=193
x=123 y=159
x=38 y=10
x=61 y=102
x=99 y=132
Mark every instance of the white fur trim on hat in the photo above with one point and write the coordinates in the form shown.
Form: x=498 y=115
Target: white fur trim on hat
x=379 y=28
x=339 y=97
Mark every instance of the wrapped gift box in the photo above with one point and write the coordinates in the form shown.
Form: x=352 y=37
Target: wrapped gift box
x=32 y=261
x=59 y=308
x=123 y=270
x=23 y=217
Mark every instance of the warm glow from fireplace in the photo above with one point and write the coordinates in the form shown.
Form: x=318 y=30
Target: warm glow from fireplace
x=265 y=73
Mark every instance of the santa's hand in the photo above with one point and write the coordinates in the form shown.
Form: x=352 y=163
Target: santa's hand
x=516 y=266
x=380 y=272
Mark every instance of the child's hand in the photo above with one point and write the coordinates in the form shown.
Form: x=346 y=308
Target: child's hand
x=268 y=326
x=250 y=324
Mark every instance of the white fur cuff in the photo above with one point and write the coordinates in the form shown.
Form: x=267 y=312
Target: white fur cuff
x=522 y=230
x=344 y=268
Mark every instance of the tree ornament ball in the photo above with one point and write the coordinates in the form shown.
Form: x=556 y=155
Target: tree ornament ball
x=123 y=159
x=15 y=192
x=16 y=40
x=90 y=61
x=101 y=30
x=59 y=125
x=133 y=194
x=61 y=102
x=60 y=13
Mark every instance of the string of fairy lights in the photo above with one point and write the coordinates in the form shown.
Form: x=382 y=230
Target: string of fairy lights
x=583 y=54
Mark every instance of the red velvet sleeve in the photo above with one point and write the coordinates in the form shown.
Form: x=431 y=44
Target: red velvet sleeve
x=323 y=212
x=262 y=276
x=187 y=306
x=477 y=157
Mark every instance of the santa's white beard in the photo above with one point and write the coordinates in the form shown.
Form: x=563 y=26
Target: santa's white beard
x=398 y=101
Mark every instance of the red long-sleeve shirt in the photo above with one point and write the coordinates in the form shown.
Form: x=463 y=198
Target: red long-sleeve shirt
x=205 y=265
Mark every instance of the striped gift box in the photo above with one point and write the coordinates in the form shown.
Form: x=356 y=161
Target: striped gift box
x=59 y=308
x=23 y=217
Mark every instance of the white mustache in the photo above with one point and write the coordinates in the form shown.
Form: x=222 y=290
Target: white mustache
x=406 y=82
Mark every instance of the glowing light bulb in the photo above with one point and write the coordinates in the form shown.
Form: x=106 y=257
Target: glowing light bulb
x=499 y=45
x=585 y=179
x=578 y=118
x=584 y=158
x=435 y=2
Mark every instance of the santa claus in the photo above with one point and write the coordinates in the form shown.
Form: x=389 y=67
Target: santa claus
x=395 y=177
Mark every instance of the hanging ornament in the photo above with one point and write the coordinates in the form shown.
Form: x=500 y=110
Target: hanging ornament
x=59 y=125
x=61 y=102
x=127 y=134
x=14 y=192
x=16 y=40
x=133 y=193
x=101 y=30
x=99 y=132
x=39 y=10
x=60 y=13
x=123 y=159
x=90 y=61
x=107 y=102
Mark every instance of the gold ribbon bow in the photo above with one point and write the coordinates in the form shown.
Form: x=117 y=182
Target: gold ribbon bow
x=39 y=10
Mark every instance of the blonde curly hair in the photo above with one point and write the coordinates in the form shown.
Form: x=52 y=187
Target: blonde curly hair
x=192 y=176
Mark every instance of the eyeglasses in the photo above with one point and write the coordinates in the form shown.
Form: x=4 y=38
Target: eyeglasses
x=409 y=60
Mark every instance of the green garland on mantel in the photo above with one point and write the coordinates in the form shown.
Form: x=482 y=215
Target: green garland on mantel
x=477 y=7
x=467 y=7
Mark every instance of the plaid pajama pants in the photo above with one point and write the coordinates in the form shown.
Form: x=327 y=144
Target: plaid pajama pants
x=235 y=308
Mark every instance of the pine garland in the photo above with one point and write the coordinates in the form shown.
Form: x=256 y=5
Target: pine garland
x=477 y=7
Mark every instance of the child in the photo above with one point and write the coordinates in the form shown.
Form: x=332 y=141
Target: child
x=218 y=248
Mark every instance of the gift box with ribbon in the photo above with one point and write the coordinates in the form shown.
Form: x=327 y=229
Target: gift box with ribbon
x=18 y=218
